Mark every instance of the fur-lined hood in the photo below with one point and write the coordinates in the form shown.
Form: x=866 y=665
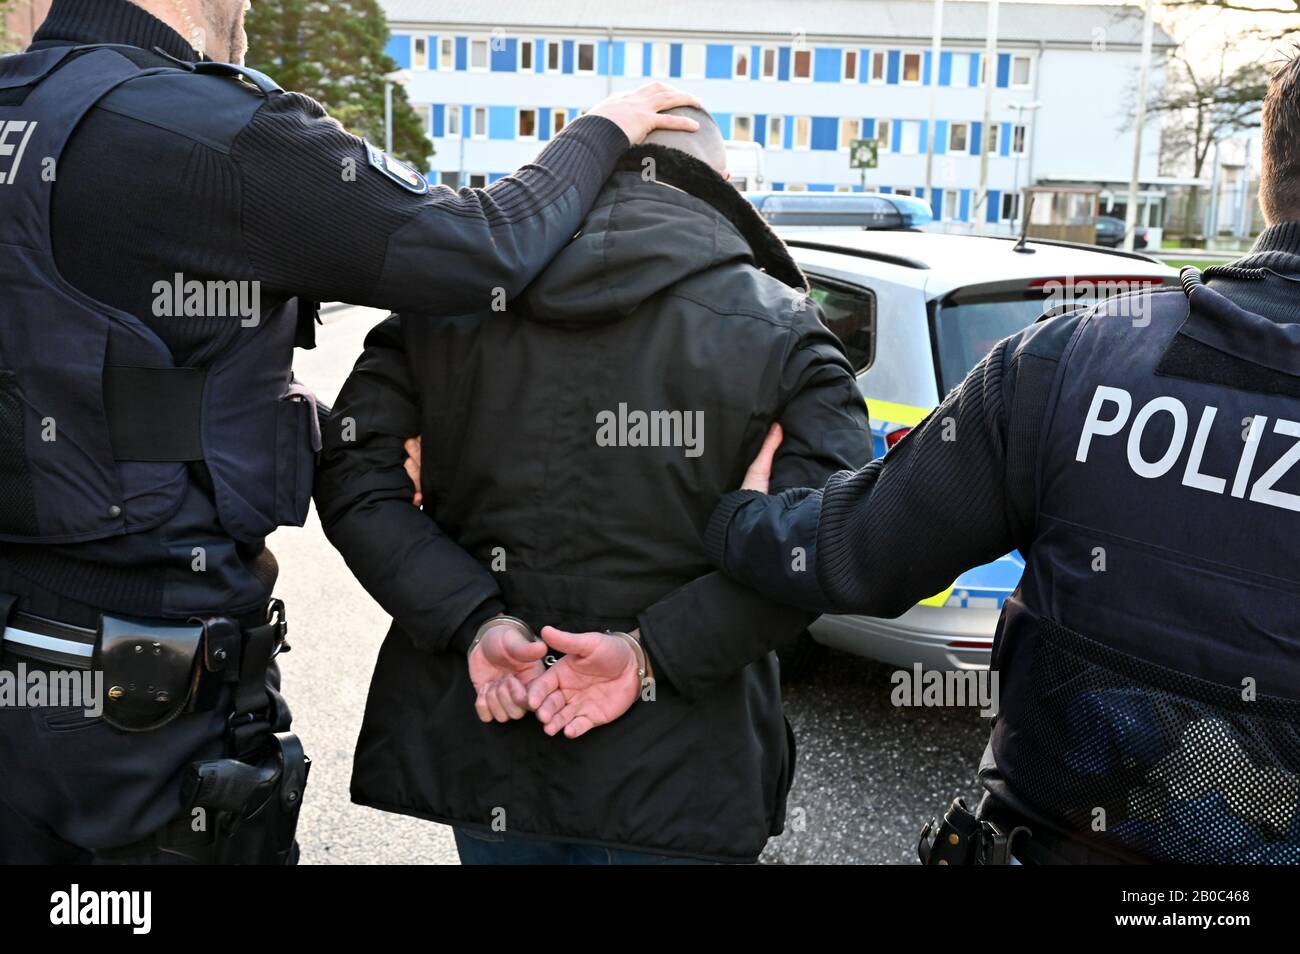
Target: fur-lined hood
x=662 y=217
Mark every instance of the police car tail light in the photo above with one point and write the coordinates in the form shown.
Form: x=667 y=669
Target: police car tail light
x=893 y=437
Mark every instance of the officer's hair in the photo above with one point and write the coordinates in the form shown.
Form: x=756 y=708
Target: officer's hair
x=705 y=143
x=1279 y=182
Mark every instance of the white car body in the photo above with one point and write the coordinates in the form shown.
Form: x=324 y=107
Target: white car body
x=916 y=283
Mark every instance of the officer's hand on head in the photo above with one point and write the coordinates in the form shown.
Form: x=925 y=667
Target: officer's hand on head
x=759 y=475
x=501 y=667
x=595 y=683
x=412 y=466
x=639 y=112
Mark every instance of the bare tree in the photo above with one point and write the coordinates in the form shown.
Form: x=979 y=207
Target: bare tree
x=1203 y=102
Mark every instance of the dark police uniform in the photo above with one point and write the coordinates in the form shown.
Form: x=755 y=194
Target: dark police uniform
x=150 y=442
x=1146 y=462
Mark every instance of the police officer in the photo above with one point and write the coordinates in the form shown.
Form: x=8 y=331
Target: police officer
x=1144 y=457
x=168 y=225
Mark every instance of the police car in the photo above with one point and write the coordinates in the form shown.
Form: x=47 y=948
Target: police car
x=916 y=311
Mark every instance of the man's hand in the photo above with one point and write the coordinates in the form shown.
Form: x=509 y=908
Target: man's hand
x=502 y=666
x=412 y=465
x=759 y=475
x=595 y=683
x=638 y=112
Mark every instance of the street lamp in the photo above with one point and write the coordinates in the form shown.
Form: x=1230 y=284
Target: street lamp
x=395 y=78
x=1021 y=109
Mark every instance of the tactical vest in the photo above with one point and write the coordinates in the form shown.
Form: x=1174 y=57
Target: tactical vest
x=97 y=424
x=1150 y=661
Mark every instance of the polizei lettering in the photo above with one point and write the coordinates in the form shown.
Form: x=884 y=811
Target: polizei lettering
x=1112 y=408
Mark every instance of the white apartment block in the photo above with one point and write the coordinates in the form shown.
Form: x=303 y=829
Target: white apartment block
x=802 y=78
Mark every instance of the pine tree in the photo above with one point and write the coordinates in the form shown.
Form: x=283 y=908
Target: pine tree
x=334 y=52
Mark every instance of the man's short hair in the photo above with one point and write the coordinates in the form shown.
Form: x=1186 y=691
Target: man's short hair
x=705 y=143
x=1279 y=183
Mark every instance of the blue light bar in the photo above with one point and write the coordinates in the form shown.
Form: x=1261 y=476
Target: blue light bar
x=864 y=210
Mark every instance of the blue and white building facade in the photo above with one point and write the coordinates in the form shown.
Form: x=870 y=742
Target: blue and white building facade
x=494 y=81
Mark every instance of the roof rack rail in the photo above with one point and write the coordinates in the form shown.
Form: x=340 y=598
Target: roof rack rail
x=1059 y=243
x=901 y=260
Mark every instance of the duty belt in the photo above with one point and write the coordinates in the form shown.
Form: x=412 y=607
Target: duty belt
x=156 y=669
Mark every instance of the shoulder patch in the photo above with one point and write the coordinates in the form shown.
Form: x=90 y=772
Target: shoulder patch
x=404 y=174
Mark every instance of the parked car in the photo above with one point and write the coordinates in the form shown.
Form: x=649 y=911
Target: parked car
x=1110 y=233
x=916 y=311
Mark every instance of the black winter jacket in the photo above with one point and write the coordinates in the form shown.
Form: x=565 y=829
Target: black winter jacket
x=545 y=498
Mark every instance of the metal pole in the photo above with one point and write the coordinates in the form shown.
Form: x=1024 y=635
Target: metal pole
x=933 y=137
x=388 y=116
x=990 y=80
x=1015 y=180
x=1130 y=213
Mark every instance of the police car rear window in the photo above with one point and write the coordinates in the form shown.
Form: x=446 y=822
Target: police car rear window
x=850 y=313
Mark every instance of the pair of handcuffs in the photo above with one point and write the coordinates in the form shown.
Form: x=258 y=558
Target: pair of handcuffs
x=645 y=672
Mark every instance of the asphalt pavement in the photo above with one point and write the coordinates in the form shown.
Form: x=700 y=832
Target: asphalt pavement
x=868 y=773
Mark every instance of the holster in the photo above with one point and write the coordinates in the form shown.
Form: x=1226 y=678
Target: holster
x=963 y=839
x=240 y=809
x=251 y=807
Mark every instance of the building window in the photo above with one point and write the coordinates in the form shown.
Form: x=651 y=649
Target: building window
x=420 y=53
x=740 y=62
x=554 y=57
x=478 y=55
x=478 y=180
x=659 y=62
x=1018 y=140
x=910 y=137
x=632 y=52
x=992 y=138
x=850 y=129
x=951 y=205
x=878 y=65
x=480 y=122
x=558 y=118
x=425 y=113
x=775 y=132
x=1010 y=207
x=796 y=187
x=453 y=122
x=525 y=56
x=959 y=137
x=742 y=128
x=902 y=191
x=770 y=60
x=960 y=70
x=844 y=188
x=911 y=69
x=802 y=69
x=802 y=132
x=527 y=123
x=585 y=58
x=882 y=134
x=693 y=60
x=1020 y=68
x=850 y=66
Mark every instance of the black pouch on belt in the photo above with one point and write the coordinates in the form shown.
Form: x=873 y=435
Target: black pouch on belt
x=150 y=671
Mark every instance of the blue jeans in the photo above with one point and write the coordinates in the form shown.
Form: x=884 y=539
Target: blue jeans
x=495 y=848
